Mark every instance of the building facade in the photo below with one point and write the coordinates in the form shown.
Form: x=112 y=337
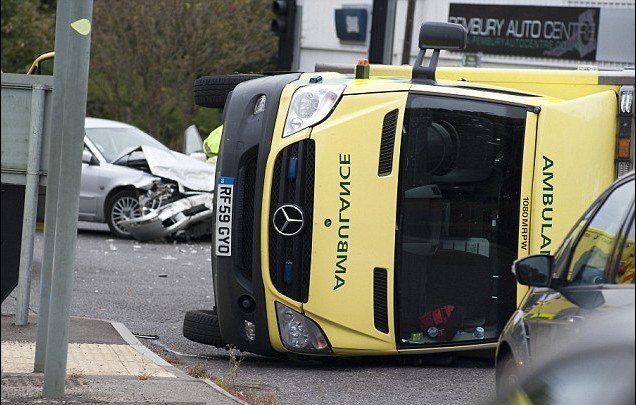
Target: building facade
x=501 y=33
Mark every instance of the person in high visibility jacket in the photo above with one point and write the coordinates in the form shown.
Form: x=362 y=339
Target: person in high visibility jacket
x=211 y=144
x=626 y=265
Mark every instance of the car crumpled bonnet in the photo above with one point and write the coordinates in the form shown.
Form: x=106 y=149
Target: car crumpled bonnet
x=191 y=173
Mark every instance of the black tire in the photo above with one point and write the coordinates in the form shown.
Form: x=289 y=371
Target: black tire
x=507 y=377
x=121 y=206
x=202 y=326
x=212 y=91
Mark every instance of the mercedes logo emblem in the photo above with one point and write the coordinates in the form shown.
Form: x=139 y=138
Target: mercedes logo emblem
x=288 y=219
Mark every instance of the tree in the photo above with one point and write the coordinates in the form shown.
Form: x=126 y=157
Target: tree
x=145 y=56
x=28 y=29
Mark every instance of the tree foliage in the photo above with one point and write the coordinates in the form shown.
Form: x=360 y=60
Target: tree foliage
x=146 y=54
x=28 y=29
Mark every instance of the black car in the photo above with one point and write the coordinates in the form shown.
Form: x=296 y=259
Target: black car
x=595 y=367
x=591 y=275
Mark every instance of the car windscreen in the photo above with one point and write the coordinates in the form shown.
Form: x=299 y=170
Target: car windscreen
x=112 y=142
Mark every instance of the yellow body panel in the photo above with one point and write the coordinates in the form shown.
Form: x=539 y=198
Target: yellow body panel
x=579 y=132
x=525 y=208
x=357 y=202
x=355 y=118
x=562 y=84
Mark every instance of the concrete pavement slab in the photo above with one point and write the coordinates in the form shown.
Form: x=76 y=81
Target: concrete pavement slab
x=105 y=364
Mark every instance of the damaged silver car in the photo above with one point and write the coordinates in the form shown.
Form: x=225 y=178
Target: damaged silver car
x=141 y=188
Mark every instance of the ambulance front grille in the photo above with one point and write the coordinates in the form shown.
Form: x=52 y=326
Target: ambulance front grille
x=292 y=185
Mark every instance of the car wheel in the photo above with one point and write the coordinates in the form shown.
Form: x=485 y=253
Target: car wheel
x=507 y=376
x=122 y=206
x=212 y=91
x=202 y=326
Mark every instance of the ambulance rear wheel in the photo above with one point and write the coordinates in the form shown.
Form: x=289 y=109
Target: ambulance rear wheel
x=202 y=326
x=212 y=91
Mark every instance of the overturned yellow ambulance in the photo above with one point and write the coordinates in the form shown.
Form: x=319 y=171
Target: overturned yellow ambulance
x=378 y=211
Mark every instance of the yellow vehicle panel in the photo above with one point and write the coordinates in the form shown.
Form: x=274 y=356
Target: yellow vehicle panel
x=354 y=199
x=555 y=83
x=584 y=136
x=346 y=168
x=563 y=84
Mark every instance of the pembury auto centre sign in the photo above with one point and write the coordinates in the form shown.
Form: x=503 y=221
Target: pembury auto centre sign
x=549 y=32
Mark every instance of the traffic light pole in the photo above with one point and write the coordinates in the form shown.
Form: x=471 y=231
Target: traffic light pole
x=382 y=32
x=284 y=27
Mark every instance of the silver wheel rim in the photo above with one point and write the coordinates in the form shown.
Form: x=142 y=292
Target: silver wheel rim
x=123 y=209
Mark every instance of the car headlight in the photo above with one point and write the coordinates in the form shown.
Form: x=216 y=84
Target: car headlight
x=299 y=333
x=310 y=105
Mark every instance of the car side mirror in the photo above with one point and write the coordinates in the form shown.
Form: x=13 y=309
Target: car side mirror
x=533 y=270
x=192 y=142
x=88 y=158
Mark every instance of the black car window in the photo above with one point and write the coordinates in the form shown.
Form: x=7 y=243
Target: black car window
x=624 y=271
x=563 y=253
x=594 y=249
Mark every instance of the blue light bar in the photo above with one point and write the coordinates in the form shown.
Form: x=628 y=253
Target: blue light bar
x=287 y=275
x=292 y=168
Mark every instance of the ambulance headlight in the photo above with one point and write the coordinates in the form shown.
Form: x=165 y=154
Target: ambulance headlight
x=310 y=105
x=299 y=333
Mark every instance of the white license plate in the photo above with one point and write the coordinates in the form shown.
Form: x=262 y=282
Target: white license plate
x=224 y=196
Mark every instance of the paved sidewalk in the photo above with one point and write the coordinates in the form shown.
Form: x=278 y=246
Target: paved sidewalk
x=105 y=364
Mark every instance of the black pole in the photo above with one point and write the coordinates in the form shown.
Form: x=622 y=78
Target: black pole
x=408 y=33
x=284 y=26
x=378 y=31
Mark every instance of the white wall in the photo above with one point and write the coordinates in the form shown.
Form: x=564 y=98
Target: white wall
x=319 y=43
x=318 y=40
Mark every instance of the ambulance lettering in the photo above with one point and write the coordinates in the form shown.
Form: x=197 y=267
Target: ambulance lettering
x=342 y=247
x=547 y=201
